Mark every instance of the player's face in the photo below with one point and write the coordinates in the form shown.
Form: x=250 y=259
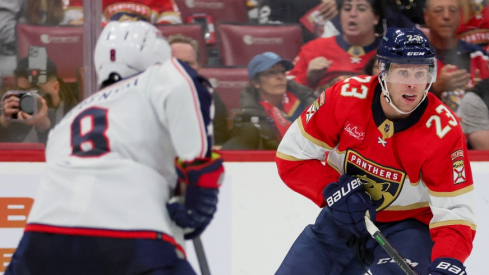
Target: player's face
x=185 y=52
x=357 y=18
x=406 y=85
x=272 y=81
x=443 y=17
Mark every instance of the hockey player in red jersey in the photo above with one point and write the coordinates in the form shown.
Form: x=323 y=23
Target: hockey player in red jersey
x=393 y=150
x=106 y=200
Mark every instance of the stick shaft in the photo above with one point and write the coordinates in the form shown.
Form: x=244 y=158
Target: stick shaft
x=387 y=246
x=199 y=250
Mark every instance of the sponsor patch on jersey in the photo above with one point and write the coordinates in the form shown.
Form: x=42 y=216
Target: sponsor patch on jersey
x=312 y=110
x=457 y=154
x=458 y=172
x=354 y=131
x=383 y=184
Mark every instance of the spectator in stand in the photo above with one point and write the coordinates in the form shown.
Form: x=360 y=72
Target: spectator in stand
x=474 y=114
x=44 y=12
x=474 y=27
x=56 y=100
x=53 y=12
x=9 y=14
x=324 y=18
x=268 y=106
x=323 y=61
x=152 y=11
x=460 y=64
x=187 y=50
x=372 y=66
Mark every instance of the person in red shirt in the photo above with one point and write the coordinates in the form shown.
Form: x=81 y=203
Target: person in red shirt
x=460 y=64
x=323 y=61
x=152 y=11
x=392 y=150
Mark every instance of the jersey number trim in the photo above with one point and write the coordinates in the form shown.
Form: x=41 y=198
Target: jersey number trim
x=88 y=133
x=441 y=131
x=346 y=91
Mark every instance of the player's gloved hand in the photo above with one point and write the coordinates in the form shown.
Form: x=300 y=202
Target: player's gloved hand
x=349 y=203
x=447 y=266
x=196 y=202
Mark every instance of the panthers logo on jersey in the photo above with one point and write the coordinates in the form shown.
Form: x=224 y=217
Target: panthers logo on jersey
x=383 y=184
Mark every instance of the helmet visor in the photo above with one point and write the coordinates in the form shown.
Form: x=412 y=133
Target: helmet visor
x=410 y=73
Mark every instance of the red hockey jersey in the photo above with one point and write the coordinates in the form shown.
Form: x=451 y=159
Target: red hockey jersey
x=413 y=168
x=153 y=11
x=347 y=60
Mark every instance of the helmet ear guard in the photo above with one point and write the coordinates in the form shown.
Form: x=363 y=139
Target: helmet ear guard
x=409 y=47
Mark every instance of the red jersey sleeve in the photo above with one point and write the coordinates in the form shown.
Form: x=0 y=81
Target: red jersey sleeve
x=448 y=176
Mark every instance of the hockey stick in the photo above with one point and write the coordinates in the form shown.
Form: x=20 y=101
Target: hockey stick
x=199 y=251
x=387 y=246
x=198 y=246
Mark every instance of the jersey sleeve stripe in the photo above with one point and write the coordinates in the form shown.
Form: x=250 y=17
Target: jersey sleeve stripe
x=453 y=193
x=311 y=138
x=413 y=206
x=286 y=157
x=453 y=222
x=197 y=111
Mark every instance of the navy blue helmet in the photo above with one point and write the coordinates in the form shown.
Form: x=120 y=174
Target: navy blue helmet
x=405 y=46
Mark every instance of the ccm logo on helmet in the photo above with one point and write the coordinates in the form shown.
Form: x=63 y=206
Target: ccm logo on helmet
x=415 y=54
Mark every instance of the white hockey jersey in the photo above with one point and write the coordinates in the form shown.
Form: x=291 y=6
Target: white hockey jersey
x=110 y=161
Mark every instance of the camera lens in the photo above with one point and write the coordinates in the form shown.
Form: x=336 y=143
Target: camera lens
x=27 y=103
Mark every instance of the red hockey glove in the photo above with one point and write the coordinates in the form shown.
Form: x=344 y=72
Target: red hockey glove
x=199 y=183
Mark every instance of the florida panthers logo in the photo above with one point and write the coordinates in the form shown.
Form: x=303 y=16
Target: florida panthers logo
x=379 y=192
x=383 y=184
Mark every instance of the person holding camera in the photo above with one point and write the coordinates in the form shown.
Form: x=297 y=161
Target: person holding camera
x=41 y=100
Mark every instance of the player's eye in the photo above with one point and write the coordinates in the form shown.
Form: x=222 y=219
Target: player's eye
x=419 y=74
x=403 y=73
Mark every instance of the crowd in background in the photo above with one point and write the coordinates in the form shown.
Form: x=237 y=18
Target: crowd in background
x=340 y=38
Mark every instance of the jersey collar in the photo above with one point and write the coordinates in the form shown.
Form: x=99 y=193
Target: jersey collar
x=400 y=125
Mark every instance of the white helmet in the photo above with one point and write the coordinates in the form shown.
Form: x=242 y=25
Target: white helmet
x=128 y=48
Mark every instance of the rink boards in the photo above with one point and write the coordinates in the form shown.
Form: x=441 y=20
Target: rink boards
x=258 y=217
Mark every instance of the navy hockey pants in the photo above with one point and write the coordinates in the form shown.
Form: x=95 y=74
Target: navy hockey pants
x=326 y=248
x=44 y=253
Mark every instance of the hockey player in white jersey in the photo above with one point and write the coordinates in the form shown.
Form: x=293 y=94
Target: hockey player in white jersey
x=104 y=204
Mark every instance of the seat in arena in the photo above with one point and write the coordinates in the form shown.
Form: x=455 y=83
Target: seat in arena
x=239 y=43
x=64 y=45
x=219 y=10
x=228 y=83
